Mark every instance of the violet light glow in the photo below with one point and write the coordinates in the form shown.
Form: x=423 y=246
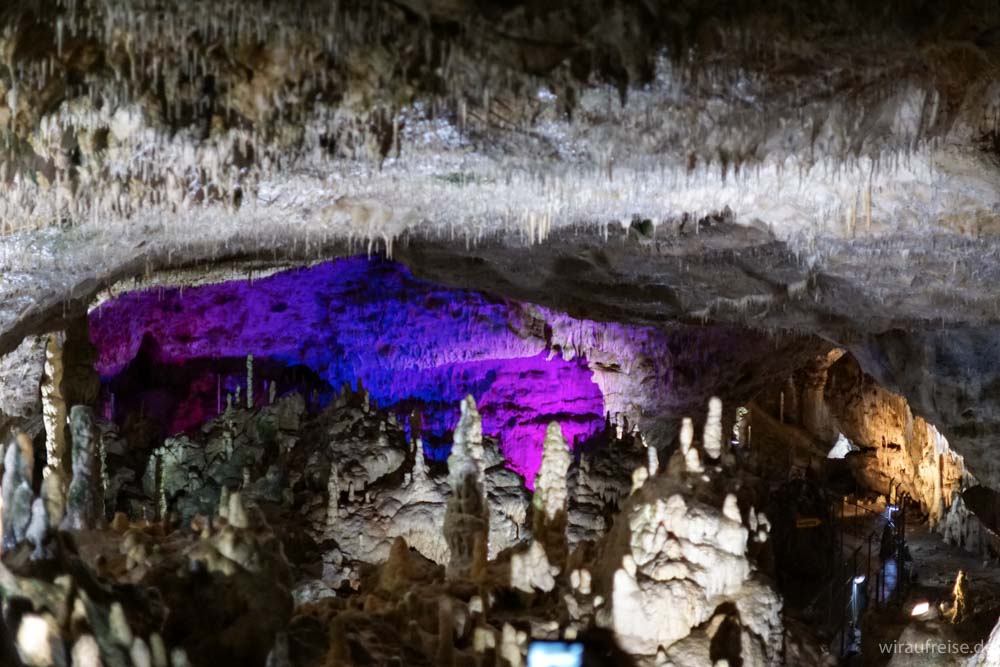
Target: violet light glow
x=414 y=346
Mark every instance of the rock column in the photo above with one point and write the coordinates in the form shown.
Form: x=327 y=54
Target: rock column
x=551 y=499
x=54 y=407
x=84 y=501
x=19 y=462
x=814 y=415
x=466 y=519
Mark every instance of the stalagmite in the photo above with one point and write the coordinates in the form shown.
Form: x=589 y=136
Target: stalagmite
x=54 y=495
x=551 y=499
x=466 y=519
x=118 y=626
x=86 y=652
x=692 y=461
x=250 y=381
x=712 y=438
x=958 y=610
x=84 y=504
x=512 y=644
x=237 y=515
x=687 y=435
x=158 y=650
x=39 y=643
x=639 y=477
x=419 y=462
x=731 y=509
x=333 y=497
x=531 y=570
x=38 y=529
x=54 y=407
x=139 y=653
x=19 y=462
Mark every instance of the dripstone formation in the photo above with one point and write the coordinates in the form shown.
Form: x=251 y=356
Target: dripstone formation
x=441 y=332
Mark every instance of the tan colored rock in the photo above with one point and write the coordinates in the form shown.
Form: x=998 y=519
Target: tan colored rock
x=54 y=411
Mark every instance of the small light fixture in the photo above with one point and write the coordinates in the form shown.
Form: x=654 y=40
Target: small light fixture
x=920 y=608
x=860 y=579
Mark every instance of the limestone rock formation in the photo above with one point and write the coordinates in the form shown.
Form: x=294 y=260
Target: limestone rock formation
x=189 y=472
x=69 y=620
x=677 y=567
x=531 y=570
x=550 y=503
x=712 y=438
x=603 y=213
x=466 y=519
x=22 y=370
x=903 y=448
x=364 y=513
x=18 y=471
x=54 y=413
x=84 y=499
x=683 y=560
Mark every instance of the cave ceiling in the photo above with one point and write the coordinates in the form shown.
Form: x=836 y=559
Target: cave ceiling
x=820 y=169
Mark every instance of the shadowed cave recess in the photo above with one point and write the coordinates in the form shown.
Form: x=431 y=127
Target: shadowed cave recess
x=499 y=333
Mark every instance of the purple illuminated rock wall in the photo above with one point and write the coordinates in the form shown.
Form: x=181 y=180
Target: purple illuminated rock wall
x=414 y=345
x=171 y=355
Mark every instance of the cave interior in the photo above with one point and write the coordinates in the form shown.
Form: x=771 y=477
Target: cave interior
x=497 y=333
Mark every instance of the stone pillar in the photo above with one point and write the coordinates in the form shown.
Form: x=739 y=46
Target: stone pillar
x=551 y=499
x=711 y=439
x=84 y=502
x=19 y=464
x=333 y=499
x=467 y=516
x=81 y=383
x=249 y=381
x=54 y=407
x=815 y=417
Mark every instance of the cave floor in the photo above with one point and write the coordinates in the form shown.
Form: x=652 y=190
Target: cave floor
x=930 y=639
x=938 y=563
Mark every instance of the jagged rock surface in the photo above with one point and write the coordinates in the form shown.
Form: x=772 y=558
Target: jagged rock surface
x=675 y=563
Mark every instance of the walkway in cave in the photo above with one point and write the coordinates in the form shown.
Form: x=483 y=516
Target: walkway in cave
x=935 y=565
